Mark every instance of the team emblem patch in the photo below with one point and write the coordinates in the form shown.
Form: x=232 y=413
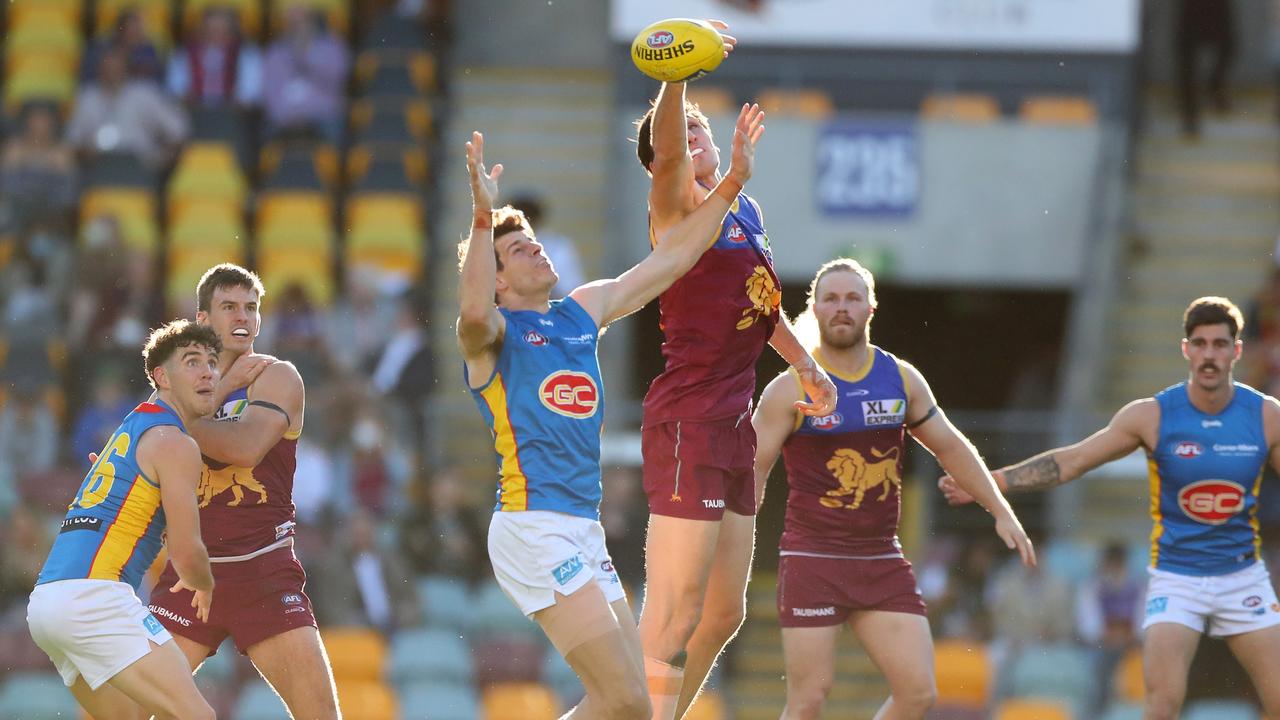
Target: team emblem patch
x=1157 y=605
x=152 y=625
x=1188 y=449
x=569 y=393
x=535 y=338
x=1212 y=502
x=567 y=570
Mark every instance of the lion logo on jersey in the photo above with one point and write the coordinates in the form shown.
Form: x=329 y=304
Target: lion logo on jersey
x=857 y=476
x=215 y=482
x=764 y=295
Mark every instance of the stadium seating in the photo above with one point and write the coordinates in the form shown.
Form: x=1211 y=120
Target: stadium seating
x=337 y=13
x=249 y=13
x=1123 y=711
x=964 y=107
x=802 y=102
x=207 y=171
x=36 y=696
x=709 y=706
x=426 y=654
x=495 y=615
x=154 y=14
x=501 y=659
x=1220 y=710
x=1127 y=683
x=1059 y=109
x=1032 y=709
x=259 y=702
x=133 y=207
x=1054 y=671
x=1071 y=560
x=711 y=99
x=560 y=677
x=446 y=603
x=519 y=701
x=963 y=674
x=434 y=700
x=367 y=700
x=356 y=654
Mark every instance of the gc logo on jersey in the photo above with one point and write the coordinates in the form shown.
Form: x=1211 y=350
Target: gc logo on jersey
x=535 y=338
x=884 y=412
x=1212 y=502
x=1188 y=449
x=569 y=393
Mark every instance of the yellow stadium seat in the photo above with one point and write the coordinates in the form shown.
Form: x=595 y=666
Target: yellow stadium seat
x=42 y=37
x=1128 y=681
x=963 y=673
x=206 y=224
x=208 y=171
x=154 y=13
x=1032 y=709
x=316 y=238
x=802 y=102
x=708 y=706
x=422 y=65
x=324 y=158
x=417 y=114
x=249 y=13
x=337 y=13
x=711 y=99
x=380 y=208
x=961 y=107
x=1059 y=109
x=47 y=63
x=389 y=250
x=356 y=654
x=134 y=208
x=313 y=273
x=52 y=13
x=414 y=159
x=519 y=701
x=40 y=84
x=368 y=701
x=284 y=207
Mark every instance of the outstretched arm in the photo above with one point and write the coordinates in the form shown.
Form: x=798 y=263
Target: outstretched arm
x=609 y=300
x=819 y=388
x=957 y=456
x=1126 y=432
x=480 y=325
x=774 y=420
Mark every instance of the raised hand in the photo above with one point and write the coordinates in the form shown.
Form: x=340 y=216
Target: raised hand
x=243 y=372
x=730 y=42
x=484 y=184
x=746 y=133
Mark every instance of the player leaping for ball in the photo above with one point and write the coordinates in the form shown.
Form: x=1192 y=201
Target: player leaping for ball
x=840 y=558
x=1207 y=441
x=697 y=442
x=531 y=366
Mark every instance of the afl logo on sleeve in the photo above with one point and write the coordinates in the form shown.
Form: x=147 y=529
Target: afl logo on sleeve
x=569 y=393
x=1212 y=502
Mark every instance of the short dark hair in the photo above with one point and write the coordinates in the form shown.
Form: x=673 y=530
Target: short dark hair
x=505 y=219
x=225 y=277
x=165 y=340
x=1212 y=310
x=644 y=130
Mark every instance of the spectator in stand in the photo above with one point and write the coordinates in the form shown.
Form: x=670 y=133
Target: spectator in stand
x=360 y=322
x=25 y=543
x=440 y=534
x=112 y=289
x=142 y=60
x=30 y=327
x=560 y=249
x=403 y=374
x=28 y=434
x=100 y=417
x=293 y=330
x=117 y=114
x=958 y=608
x=305 y=77
x=1203 y=24
x=217 y=67
x=624 y=515
x=38 y=170
x=1108 y=615
x=360 y=583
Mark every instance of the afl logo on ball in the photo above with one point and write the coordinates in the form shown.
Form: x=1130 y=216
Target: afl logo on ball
x=569 y=393
x=1188 y=449
x=660 y=39
x=535 y=338
x=1212 y=502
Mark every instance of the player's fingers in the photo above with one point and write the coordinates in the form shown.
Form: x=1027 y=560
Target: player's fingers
x=496 y=172
x=1030 y=555
x=177 y=586
x=718 y=24
x=729 y=41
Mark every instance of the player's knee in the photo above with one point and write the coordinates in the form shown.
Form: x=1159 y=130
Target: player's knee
x=806 y=701
x=1163 y=703
x=918 y=697
x=629 y=702
x=723 y=623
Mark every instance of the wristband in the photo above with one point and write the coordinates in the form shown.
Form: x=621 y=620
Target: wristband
x=728 y=189
x=482 y=220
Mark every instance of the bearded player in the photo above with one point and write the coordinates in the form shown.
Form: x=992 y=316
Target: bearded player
x=697 y=442
x=1207 y=441
x=841 y=563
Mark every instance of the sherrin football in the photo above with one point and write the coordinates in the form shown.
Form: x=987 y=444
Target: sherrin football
x=677 y=50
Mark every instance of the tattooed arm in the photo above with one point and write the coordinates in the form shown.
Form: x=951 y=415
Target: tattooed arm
x=1131 y=428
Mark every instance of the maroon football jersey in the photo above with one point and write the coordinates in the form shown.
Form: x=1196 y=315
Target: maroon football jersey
x=845 y=469
x=716 y=320
x=246 y=509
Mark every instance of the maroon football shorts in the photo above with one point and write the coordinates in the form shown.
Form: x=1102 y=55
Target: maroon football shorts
x=697 y=470
x=823 y=591
x=252 y=600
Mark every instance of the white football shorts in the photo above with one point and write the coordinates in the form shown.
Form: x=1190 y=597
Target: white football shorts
x=538 y=553
x=94 y=628
x=1238 y=602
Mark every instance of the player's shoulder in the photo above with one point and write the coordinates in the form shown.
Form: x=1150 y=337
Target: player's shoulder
x=166 y=439
x=786 y=385
x=279 y=373
x=1138 y=414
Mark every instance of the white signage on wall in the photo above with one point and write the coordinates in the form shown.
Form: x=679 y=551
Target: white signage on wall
x=1090 y=26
